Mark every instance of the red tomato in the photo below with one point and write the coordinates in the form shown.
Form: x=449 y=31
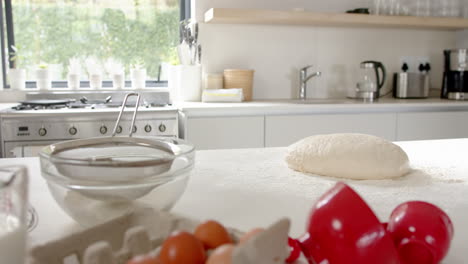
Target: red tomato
x=182 y=247
x=212 y=234
x=144 y=260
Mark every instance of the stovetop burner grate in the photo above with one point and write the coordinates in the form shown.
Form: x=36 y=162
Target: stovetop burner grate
x=83 y=103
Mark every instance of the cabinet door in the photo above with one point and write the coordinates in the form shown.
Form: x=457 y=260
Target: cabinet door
x=225 y=132
x=282 y=131
x=432 y=125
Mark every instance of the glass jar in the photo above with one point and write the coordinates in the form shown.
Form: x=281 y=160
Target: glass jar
x=446 y=8
x=13 y=211
x=421 y=8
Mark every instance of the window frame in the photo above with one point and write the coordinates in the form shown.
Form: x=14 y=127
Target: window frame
x=6 y=22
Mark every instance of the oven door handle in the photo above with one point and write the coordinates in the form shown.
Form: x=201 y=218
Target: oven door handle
x=17 y=152
x=26 y=151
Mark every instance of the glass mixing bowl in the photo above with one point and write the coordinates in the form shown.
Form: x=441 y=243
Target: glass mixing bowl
x=96 y=179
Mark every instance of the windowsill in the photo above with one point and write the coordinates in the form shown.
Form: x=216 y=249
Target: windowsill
x=9 y=96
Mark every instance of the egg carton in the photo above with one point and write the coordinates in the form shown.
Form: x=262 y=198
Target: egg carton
x=143 y=232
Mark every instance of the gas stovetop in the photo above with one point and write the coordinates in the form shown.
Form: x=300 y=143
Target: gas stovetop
x=52 y=102
x=72 y=104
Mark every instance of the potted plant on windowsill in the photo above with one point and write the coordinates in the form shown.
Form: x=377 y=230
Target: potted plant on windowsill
x=138 y=75
x=116 y=71
x=74 y=73
x=43 y=81
x=16 y=75
x=94 y=73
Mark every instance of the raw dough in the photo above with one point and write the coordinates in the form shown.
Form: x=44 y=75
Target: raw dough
x=352 y=156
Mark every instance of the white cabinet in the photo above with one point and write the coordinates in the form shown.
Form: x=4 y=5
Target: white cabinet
x=284 y=130
x=228 y=132
x=225 y=132
x=432 y=125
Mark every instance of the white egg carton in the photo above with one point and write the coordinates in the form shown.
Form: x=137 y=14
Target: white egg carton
x=142 y=232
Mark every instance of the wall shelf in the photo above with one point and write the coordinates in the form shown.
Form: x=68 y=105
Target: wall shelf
x=278 y=17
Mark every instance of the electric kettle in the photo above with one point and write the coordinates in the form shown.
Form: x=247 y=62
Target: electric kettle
x=371 y=80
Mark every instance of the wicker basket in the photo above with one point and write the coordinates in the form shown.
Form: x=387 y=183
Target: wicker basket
x=238 y=78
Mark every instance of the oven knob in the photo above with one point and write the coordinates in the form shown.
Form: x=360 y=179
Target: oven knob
x=148 y=128
x=72 y=130
x=103 y=129
x=134 y=130
x=162 y=127
x=42 y=131
x=119 y=129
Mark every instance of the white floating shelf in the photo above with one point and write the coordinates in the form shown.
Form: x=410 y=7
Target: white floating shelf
x=278 y=17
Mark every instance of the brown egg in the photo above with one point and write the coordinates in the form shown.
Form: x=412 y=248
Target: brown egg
x=182 y=247
x=221 y=255
x=250 y=234
x=212 y=234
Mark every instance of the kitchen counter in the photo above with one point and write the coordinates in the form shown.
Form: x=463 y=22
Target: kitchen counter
x=4 y=106
x=254 y=187
x=310 y=106
x=317 y=106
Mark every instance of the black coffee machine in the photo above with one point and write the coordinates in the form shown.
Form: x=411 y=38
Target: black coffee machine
x=455 y=82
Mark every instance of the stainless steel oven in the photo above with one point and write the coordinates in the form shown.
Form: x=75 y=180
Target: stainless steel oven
x=24 y=130
x=23 y=135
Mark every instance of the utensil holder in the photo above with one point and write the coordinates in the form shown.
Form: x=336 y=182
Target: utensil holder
x=185 y=83
x=239 y=78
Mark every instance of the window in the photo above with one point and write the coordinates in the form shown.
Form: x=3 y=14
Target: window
x=88 y=36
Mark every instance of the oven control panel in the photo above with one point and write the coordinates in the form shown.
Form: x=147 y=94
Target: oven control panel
x=58 y=129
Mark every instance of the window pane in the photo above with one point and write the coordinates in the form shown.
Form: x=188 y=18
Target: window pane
x=108 y=32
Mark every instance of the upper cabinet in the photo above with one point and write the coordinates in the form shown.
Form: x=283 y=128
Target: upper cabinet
x=262 y=16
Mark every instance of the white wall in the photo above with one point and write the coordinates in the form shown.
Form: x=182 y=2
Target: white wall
x=277 y=52
x=462 y=39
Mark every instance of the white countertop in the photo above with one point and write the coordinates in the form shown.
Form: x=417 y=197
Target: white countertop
x=317 y=106
x=4 y=106
x=288 y=107
x=254 y=187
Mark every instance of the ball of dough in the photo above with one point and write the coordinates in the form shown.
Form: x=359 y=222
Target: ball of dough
x=352 y=156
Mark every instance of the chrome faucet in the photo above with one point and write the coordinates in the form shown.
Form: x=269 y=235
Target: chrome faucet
x=304 y=79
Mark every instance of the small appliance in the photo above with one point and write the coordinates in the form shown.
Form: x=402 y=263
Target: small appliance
x=455 y=81
x=371 y=80
x=412 y=85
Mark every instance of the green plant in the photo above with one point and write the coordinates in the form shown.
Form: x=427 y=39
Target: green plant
x=137 y=64
x=43 y=65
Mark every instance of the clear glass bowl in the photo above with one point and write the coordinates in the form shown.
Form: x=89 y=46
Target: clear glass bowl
x=94 y=180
